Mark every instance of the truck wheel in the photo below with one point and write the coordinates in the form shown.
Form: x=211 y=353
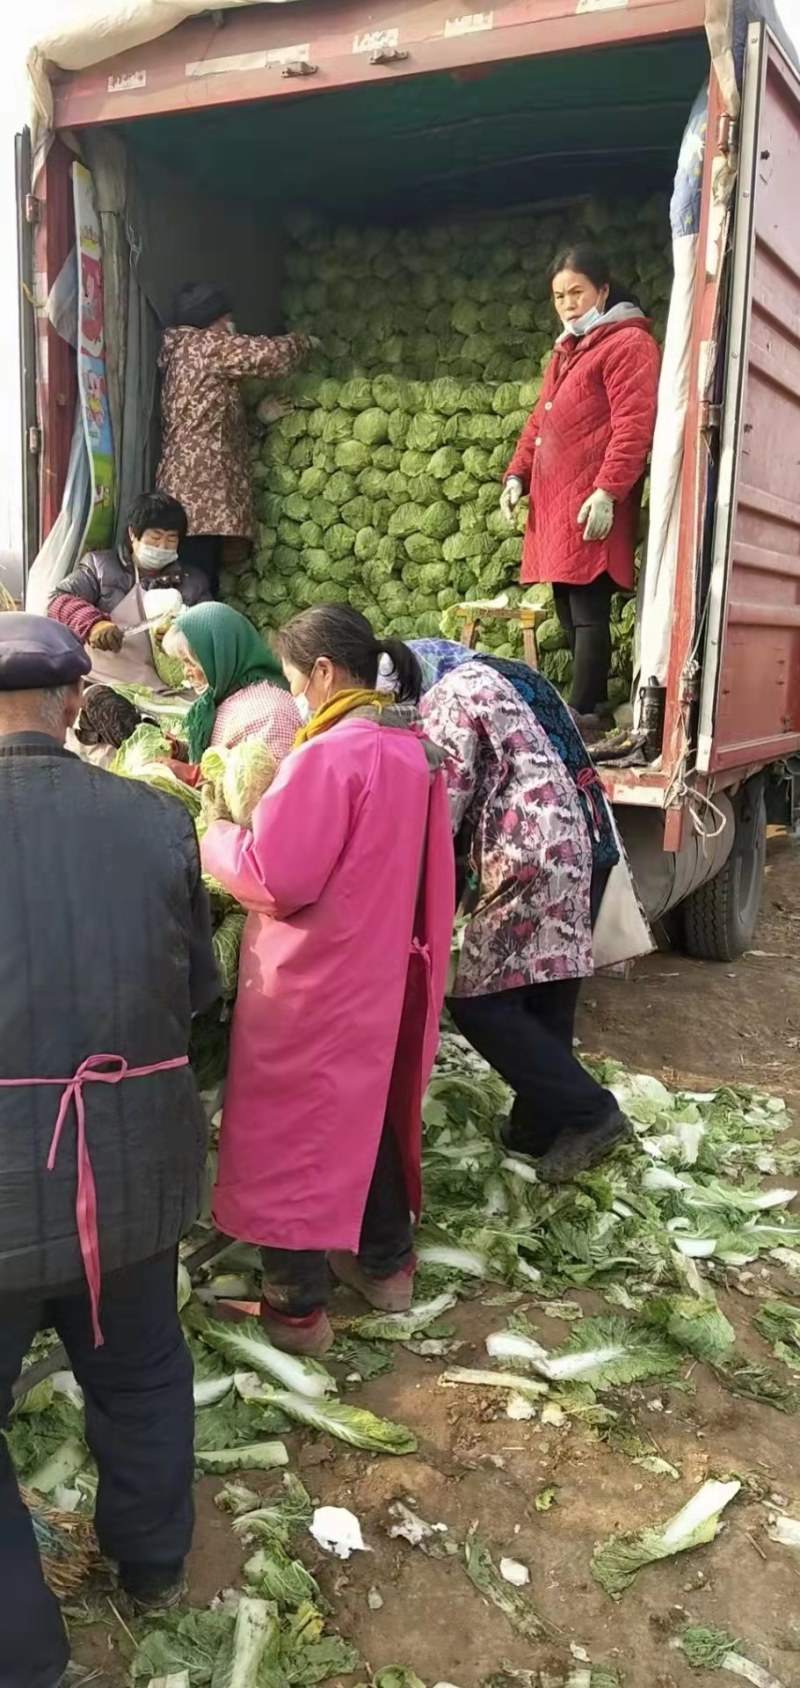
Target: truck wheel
x=719 y=919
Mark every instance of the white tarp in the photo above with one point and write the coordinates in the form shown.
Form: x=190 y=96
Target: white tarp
x=100 y=29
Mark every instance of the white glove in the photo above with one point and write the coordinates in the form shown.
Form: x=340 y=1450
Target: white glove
x=314 y=342
x=596 y=516
x=272 y=409
x=510 y=497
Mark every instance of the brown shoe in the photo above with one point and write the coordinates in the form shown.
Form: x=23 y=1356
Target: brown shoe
x=388 y=1295
x=311 y=1336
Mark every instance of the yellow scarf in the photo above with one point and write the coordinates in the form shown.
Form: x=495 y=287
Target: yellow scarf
x=335 y=710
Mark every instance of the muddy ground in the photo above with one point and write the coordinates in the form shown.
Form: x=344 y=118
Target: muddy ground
x=690 y=1023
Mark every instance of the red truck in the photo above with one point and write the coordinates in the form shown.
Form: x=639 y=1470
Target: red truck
x=577 y=95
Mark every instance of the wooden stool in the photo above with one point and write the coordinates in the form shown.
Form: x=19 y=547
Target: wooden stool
x=472 y=615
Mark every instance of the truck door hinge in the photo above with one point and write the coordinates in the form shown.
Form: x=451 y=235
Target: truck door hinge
x=34 y=441
x=33 y=208
x=727 y=133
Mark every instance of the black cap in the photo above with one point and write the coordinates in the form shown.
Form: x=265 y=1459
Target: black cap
x=199 y=304
x=37 y=654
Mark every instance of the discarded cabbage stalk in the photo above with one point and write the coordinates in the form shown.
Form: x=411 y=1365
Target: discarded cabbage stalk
x=615 y=1565
x=254 y=1456
x=253 y=1632
x=247 y=1348
x=712 y=1649
x=401 y=1327
x=486 y=1577
x=465 y=1260
x=63 y=1465
x=208 y=1391
x=362 y=1429
x=277 y=1576
x=479 y=1379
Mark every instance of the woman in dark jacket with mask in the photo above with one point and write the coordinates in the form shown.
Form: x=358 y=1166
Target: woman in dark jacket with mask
x=148 y=557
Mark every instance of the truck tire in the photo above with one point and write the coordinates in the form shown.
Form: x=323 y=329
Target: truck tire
x=719 y=919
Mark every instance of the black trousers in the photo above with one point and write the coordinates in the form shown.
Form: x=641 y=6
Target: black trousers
x=140 y=1428
x=526 y=1035
x=296 y=1281
x=204 y=551
x=585 y=615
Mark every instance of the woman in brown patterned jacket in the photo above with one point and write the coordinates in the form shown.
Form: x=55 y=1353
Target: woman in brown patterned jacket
x=205 y=453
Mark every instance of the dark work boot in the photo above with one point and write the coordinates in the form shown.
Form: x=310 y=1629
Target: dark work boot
x=153 y=1588
x=574 y=1152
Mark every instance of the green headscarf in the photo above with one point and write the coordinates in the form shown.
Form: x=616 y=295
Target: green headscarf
x=228 y=649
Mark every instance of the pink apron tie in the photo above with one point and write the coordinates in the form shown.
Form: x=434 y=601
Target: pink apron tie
x=89 y=1072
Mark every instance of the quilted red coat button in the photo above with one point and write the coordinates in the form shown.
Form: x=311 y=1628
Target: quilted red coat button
x=538 y=439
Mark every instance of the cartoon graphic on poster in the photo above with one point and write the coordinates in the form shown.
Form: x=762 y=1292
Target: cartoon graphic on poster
x=92 y=383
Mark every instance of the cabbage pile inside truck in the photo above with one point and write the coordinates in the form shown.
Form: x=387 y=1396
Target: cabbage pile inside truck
x=396 y=182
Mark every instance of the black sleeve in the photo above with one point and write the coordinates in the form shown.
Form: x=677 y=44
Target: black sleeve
x=195 y=588
x=204 y=981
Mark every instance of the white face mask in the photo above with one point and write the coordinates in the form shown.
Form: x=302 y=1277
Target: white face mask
x=582 y=324
x=305 y=710
x=153 y=557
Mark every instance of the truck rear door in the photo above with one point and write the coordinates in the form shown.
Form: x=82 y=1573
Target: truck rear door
x=750 y=692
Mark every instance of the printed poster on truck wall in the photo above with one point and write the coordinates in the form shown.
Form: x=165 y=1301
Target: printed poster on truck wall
x=92 y=382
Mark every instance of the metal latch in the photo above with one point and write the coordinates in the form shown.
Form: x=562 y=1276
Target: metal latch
x=34 y=441
x=710 y=417
x=388 y=55
x=33 y=208
x=728 y=133
x=299 y=67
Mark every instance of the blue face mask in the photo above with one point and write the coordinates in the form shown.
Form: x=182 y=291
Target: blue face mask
x=581 y=325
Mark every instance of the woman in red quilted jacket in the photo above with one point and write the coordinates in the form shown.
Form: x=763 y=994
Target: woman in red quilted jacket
x=581 y=458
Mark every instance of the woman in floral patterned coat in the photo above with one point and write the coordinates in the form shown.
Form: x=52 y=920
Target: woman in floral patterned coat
x=527 y=854
x=205 y=452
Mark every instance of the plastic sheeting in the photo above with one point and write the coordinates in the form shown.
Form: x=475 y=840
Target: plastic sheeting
x=132 y=330
x=98 y=31
x=657 y=581
x=61 y=548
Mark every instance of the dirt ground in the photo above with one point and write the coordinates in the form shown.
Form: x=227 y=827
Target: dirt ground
x=687 y=1022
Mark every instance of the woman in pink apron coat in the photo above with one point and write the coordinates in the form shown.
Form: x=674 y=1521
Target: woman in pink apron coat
x=348 y=874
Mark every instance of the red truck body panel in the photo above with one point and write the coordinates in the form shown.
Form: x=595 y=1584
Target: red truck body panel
x=251 y=57
x=750 y=702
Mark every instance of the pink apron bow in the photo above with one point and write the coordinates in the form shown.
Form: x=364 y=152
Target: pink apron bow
x=90 y=1071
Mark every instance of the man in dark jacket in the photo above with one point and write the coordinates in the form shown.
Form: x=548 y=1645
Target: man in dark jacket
x=148 y=556
x=105 y=954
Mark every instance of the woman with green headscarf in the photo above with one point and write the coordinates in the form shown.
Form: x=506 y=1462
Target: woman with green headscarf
x=241 y=689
